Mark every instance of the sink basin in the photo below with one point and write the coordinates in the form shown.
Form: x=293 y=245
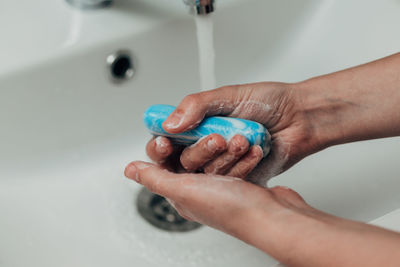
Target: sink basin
x=68 y=130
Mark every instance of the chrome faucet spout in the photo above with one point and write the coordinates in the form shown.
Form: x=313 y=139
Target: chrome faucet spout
x=200 y=7
x=89 y=4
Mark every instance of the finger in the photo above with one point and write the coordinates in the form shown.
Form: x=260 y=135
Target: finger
x=195 y=156
x=193 y=108
x=275 y=163
x=159 y=149
x=247 y=163
x=173 y=163
x=164 y=153
x=156 y=179
x=237 y=147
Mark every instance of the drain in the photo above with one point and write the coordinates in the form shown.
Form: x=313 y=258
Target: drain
x=120 y=66
x=157 y=211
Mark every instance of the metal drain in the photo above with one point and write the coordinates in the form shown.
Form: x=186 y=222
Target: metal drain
x=157 y=211
x=120 y=65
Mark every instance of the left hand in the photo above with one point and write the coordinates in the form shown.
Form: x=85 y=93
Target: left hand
x=226 y=203
x=275 y=220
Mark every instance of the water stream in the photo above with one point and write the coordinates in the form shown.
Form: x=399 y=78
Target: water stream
x=205 y=41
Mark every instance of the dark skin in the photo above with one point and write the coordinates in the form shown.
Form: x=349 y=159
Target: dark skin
x=303 y=118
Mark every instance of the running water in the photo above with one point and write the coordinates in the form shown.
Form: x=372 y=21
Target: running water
x=205 y=42
x=75 y=28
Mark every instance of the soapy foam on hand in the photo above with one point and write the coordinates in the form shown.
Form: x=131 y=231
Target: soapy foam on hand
x=272 y=166
x=250 y=107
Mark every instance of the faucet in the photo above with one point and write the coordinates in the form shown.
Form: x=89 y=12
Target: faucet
x=198 y=7
x=89 y=4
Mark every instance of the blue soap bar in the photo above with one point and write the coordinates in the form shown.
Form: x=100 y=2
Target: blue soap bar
x=227 y=127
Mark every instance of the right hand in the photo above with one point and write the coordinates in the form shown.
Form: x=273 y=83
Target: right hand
x=275 y=105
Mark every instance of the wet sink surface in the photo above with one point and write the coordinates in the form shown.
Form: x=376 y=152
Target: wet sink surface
x=89 y=218
x=68 y=131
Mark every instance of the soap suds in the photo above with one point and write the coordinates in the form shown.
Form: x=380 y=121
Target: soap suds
x=221 y=106
x=142 y=165
x=226 y=179
x=198 y=141
x=159 y=141
x=237 y=108
x=267 y=143
x=161 y=145
x=171 y=125
x=250 y=107
x=212 y=144
x=272 y=165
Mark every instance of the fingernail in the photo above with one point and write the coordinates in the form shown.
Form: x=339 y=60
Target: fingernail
x=131 y=172
x=161 y=149
x=237 y=146
x=160 y=145
x=212 y=145
x=259 y=153
x=283 y=187
x=175 y=120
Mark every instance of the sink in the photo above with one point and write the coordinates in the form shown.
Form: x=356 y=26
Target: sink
x=68 y=130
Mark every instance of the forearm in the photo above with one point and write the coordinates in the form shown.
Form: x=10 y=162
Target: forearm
x=324 y=240
x=354 y=104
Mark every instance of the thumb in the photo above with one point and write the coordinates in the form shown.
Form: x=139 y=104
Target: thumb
x=193 y=108
x=156 y=179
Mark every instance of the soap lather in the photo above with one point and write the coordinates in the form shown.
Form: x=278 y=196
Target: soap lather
x=254 y=132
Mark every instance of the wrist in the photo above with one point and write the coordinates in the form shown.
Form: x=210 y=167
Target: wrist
x=355 y=104
x=313 y=238
x=323 y=109
x=301 y=236
x=287 y=234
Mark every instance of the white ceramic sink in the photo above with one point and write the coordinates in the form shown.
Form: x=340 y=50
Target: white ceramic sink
x=67 y=131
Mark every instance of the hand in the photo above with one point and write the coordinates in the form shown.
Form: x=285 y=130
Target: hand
x=303 y=118
x=276 y=220
x=226 y=203
x=275 y=105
